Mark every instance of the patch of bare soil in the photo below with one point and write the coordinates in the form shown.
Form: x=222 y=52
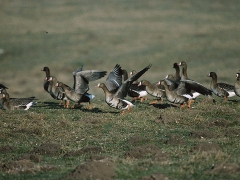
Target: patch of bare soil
x=148 y=150
x=174 y=139
x=219 y=123
x=92 y=120
x=226 y=168
x=32 y=157
x=93 y=170
x=6 y=149
x=15 y=167
x=232 y=132
x=47 y=149
x=154 y=177
x=136 y=140
x=206 y=146
x=168 y=117
x=202 y=134
x=85 y=150
x=24 y=166
x=35 y=131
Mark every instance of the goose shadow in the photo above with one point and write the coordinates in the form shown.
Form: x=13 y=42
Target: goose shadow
x=163 y=106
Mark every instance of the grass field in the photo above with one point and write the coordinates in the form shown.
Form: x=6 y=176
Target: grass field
x=161 y=141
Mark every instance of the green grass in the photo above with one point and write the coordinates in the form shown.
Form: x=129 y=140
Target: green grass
x=65 y=35
x=116 y=135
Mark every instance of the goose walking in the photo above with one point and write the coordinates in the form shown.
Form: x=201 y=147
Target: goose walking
x=79 y=93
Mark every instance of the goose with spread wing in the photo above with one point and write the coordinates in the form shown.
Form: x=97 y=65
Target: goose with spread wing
x=135 y=91
x=175 y=98
x=3 y=87
x=191 y=87
x=116 y=91
x=82 y=78
x=223 y=90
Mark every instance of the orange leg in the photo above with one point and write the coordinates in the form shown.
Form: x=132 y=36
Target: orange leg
x=60 y=102
x=66 y=104
x=122 y=112
x=89 y=106
x=129 y=108
x=182 y=106
x=189 y=103
x=134 y=99
x=153 y=102
x=74 y=106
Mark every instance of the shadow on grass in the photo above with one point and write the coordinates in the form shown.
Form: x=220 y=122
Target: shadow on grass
x=164 y=106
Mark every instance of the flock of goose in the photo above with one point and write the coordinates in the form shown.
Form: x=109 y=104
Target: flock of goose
x=177 y=88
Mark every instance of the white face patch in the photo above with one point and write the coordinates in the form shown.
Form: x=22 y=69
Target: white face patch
x=236 y=75
x=139 y=84
x=50 y=79
x=180 y=64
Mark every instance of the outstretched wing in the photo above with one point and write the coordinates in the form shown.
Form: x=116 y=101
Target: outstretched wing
x=82 y=79
x=123 y=90
x=114 y=79
x=195 y=86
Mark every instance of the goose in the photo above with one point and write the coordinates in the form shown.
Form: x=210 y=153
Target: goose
x=237 y=85
x=3 y=87
x=223 y=90
x=45 y=81
x=115 y=91
x=135 y=91
x=191 y=87
x=16 y=103
x=153 y=90
x=55 y=92
x=173 y=80
x=173 y=97
x=79 y=93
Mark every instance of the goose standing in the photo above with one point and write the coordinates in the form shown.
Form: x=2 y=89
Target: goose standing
x=237 y=85
x=153 y=90
x=55 y=92
x=223 y=90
